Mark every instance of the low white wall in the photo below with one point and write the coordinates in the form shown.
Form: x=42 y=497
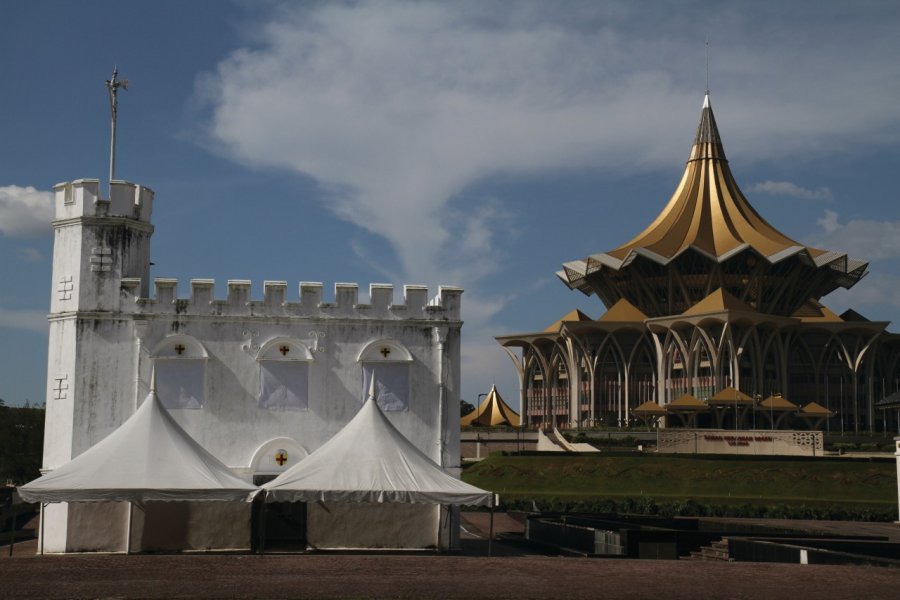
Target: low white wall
x=763 y=442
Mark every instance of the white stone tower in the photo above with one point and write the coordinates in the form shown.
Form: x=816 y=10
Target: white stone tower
x=97 y=243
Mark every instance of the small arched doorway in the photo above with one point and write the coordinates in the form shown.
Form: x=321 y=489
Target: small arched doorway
x=281 y=524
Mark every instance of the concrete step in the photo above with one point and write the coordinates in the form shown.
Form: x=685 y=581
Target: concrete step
x=717 y=550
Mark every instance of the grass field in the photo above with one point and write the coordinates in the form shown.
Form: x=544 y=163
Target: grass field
x=716 y=480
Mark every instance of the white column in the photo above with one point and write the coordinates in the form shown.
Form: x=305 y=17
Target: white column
x=897 y=454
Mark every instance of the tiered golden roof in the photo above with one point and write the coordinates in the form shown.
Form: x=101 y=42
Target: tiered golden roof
x=709 y=217
x=708 y=212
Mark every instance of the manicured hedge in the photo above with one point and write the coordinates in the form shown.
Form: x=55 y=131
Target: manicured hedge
x=691 y=508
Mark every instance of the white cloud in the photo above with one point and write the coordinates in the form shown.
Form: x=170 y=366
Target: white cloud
x=400 y=109
x=29 y=320
x=24 y=211
x=860 y=238
x=397 y=107
x=875 y=297
x=30 y=255
x=792 y=190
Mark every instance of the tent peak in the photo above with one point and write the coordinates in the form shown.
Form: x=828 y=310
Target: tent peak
x=372 y=392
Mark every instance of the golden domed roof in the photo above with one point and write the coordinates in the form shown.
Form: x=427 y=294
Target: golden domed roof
x=709 y=218
x=708 y=211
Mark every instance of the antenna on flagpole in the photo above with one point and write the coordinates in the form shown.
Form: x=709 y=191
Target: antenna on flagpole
x=707 y=64
x=112 y=86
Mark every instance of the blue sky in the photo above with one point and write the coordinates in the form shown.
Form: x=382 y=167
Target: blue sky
x=478 y=144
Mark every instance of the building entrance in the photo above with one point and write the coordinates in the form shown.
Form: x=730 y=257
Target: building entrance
x=282 y=527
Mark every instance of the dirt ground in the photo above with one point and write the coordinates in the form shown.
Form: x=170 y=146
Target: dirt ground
x=513 y=572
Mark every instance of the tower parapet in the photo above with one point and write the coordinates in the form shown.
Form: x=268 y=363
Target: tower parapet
x=98 y=242
x=81 y=198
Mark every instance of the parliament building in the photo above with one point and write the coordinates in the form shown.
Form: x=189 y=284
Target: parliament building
x=710 y=301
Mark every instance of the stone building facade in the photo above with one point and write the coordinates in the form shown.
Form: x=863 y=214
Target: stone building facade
x=260 y=383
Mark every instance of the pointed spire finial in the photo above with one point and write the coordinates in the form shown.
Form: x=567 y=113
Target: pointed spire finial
x=153 y=379
x=707 y=68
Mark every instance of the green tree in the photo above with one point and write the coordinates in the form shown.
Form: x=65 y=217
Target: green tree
x=465 y=408
x=21 y=443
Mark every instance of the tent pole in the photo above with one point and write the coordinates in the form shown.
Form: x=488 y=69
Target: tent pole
x=42 y=528
x=491 y=535
x=12 y=529
x=437 y=547
x=128 y=530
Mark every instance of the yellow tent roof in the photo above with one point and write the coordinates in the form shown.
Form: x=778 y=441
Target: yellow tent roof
x=814 y=409
x=493 y=411
x=718 y=301
x=687 y=403
x=777 y=402
x=730 y=396
x=575 y=315
x=623 y=311
x=649 y=409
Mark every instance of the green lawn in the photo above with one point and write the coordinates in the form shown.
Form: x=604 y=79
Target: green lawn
x=719 y=480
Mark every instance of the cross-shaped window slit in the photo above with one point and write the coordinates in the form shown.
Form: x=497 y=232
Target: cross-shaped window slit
x=385 y=351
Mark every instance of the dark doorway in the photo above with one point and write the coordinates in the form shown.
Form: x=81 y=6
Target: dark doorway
x=284 y=522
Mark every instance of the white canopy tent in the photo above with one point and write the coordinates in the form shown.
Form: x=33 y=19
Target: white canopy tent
x=370 y=460
x=148 y=457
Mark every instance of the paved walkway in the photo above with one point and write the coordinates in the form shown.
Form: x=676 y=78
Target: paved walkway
x=425 y=577
x=512 y=573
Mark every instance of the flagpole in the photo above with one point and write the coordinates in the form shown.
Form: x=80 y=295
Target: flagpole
x=112 y=86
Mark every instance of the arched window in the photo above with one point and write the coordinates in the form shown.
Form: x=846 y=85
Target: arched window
x=284 y=375
x=390 y=362
x=180 y=365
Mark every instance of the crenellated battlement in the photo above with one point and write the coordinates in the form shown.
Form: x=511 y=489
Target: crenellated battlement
x=310 y=303
x=81 y=198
